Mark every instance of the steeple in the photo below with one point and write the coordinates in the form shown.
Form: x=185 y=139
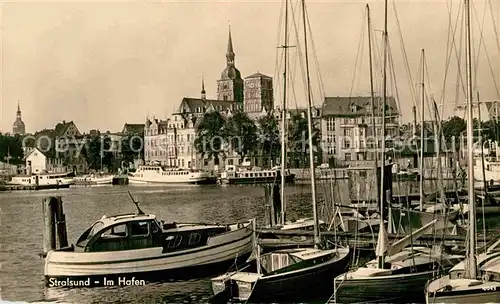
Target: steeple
x=230 y=52
x=203 y=93
x=18 y=110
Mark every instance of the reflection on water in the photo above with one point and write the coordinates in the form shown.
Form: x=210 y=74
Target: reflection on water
x=22 y=224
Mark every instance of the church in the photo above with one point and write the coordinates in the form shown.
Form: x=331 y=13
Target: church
x=171 y=142
x=18 y=127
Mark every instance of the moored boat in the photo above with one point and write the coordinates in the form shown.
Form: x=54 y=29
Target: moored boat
x=159 y=174
x=140 y=246
x=44 y=180
x=94 y=179
x=232 y=175
x=406 y=273
x=285 y=275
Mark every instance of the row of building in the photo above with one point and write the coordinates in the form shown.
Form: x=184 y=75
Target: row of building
x=345 y=122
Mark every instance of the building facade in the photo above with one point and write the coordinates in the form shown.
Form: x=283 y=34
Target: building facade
x=347 y=132
x=258 y=94
x=230 y=85
x=37 y=162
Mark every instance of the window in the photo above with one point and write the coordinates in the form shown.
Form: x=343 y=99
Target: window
x=194 y=238
x=139 y=228
x=173 y=241
x=348 y=132
x=347 y=156
x=115 y=232
x=347 y=143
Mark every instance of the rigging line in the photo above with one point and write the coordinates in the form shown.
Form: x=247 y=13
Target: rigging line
x=393 y=74
x=316 y=61
x=308 y=38
x=458 y=54
x=494 y=26
x=481 y=40
x=488 y=58
x=299 y=55
x=405 y=57
x=358 y=55
x=277 y=65
x=450 y=36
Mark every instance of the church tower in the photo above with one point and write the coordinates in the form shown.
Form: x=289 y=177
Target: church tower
x=18 y=125
x=230 y=86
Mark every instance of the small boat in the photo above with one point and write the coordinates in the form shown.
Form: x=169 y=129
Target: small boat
x=44 y=180
x=406 y=175
x=159 y=174
x=138 y=245
x=94 y=179
x=285 y=275
x=232 y=175
x=455 y=287
x=406 y=273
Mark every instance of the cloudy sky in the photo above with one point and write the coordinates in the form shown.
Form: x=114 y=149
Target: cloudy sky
x=104 y=64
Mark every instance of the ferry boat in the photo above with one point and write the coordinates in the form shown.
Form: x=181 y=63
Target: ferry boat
x=159 y=174
x=44 y=180
x=232 y=175
x=139 y=246
x=93 y=179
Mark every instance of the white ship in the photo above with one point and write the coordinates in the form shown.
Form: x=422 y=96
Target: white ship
x=44 y=180
x=158 y=174
x=94 y=179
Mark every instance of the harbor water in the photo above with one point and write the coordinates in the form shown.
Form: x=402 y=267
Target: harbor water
x=21 y=221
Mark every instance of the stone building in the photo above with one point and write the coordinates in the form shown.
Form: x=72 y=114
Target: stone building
x=347 y=130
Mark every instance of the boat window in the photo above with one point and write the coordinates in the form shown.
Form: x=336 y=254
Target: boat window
x=115 y=232
x=173 y=241
x=139 y=228
x=194 y=238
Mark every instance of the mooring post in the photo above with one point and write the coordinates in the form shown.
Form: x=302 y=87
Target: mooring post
x=269 y=200
x=49 y=236
x=276 y=201
x=62 y=236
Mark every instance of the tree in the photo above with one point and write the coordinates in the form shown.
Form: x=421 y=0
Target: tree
x=11 y=146
x=269 y=136
x=298 y=140
x=97 y=148
x=453 y=127
x=210 y=134
x=132 y=147
x=242 y=133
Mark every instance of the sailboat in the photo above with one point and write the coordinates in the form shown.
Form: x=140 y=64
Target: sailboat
x=288 y=274
x=398 y=272
x=473 y=280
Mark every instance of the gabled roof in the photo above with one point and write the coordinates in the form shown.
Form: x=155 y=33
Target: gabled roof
x=190 y=105
x=62 y=127
x=343 y=106
x=133 y=128
x=35 y=150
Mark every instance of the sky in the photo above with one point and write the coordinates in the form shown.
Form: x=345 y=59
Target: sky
x=103 y=64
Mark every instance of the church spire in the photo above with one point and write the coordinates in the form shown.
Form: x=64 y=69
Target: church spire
x=203 y=93
x=230 y=52
x=18 y=110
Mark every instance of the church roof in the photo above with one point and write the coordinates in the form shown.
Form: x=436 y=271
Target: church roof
x=18 y=123
x=190 y=105
x=258 y=75
x=342 y=106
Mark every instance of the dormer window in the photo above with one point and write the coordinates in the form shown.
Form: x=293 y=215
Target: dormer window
x=353 y=108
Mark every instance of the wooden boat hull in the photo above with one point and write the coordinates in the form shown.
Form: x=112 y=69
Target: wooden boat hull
x=221 y=250
x=487 y=292
x=305 y=284
x=404 y=288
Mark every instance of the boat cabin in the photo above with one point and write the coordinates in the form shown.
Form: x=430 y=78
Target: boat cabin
x=139 y=231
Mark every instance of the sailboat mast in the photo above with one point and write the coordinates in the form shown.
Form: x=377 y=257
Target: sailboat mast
x=422 y=134
x=310 y=131
x=381 y=258
x=472 y=266
x=372 y=99
x=283 y=121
